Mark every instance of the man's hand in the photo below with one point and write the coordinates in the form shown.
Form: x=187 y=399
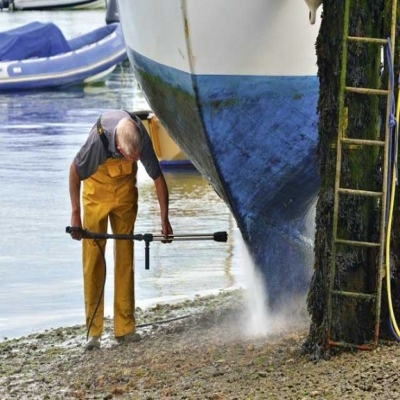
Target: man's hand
x=76 y=230
x=166 y=231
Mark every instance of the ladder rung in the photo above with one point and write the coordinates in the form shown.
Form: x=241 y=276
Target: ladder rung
x=370 y=346
x=367 y=39
x=363 y=142
x=366 y=90
x=357 y=192
x=356 y=295
x=357 y=243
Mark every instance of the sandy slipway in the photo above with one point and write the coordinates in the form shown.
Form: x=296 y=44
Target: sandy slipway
x=203 y=356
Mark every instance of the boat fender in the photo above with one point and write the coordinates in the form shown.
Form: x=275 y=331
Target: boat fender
x=313 y=6
x=4 y=4
x=112 y=12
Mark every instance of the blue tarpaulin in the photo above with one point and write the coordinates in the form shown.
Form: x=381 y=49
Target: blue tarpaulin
x=35 y=39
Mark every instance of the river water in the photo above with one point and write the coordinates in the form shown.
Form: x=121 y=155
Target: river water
x=40 y=265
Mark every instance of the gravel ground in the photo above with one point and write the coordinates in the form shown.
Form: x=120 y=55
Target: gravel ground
x=202 y=355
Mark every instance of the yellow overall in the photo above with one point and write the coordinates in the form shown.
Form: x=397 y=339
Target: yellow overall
x=110 y=193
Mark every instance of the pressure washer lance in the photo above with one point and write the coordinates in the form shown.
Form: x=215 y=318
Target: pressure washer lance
x=149 y=237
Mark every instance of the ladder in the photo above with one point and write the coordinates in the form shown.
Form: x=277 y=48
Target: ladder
x=373 y=298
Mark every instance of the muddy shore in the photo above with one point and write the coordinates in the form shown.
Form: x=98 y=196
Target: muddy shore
x=201 y=353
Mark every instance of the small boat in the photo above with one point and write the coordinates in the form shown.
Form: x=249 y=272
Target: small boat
x=235 y=84
x=37 y=56
x=170 y=156
x=30 y=5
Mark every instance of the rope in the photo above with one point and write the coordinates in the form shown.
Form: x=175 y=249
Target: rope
x=392 y=122
x=164 y=321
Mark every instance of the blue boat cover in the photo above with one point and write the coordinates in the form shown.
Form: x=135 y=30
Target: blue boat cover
x=35 y=39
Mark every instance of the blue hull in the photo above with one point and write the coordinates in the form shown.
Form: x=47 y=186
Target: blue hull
x=254 y=138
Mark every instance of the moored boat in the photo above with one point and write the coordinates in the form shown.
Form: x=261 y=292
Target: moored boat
x=30 y=5
x=235 y=84
x=37 y=56
x=170 y=156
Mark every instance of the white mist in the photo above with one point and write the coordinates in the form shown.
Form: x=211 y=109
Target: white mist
x=258 y=320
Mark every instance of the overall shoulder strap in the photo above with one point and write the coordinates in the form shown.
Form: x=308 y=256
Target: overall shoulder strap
x=103 y=137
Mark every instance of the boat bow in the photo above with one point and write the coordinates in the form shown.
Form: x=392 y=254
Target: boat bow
x=235 y=85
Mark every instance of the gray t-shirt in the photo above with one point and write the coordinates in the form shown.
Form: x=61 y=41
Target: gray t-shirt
x=93 y=153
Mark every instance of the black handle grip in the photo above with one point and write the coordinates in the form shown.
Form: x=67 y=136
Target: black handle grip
x=70 y=229
x=220 y=236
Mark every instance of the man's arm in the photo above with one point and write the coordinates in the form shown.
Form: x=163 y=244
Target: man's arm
x=163 y=200
x=74 y=193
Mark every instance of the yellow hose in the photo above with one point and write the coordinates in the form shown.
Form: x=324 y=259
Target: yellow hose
x=388 y=234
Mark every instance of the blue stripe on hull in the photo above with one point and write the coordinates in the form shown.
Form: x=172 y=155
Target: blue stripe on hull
x=254 y=138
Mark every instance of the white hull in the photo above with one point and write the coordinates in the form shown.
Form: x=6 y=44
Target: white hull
x=257 y=37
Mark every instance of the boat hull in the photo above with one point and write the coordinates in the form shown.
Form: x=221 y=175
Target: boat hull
x=30 y=5
x=169 y=155
x=246 y=118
